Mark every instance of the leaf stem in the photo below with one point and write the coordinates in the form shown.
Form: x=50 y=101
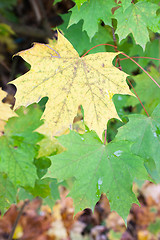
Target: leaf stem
x=141 y=57
x=102 y=44
x=127 y=57
x=141 y=68
x=115 y=47
x=105 y=137
x=137 y=97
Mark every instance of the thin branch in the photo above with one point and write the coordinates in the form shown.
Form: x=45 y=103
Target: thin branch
x=5 y=66
x=102 y=44
x=36 y=10
x=17 y=219
x=142 y=57
x=45 y=21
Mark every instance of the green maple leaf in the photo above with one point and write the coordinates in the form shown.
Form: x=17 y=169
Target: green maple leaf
x=135 y=19
x=7 y=193
x=146 y=138
x=18 y=146
x=98 y=168
x=91 y=13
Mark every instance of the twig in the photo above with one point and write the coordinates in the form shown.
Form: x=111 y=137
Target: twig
x=102 y=44
x=45 y=22
x=17 y=219
x=36 y=10
x=5 y=66
x=41 y=15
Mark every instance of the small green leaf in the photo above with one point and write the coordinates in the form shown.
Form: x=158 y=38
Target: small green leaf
x=41 y=188
x=18 y=146
x=42 y=163
x=48 y=147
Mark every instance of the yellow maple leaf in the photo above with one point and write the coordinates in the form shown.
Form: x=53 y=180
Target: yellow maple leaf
x=5 y=111
x=68 y=80
x=18 y=233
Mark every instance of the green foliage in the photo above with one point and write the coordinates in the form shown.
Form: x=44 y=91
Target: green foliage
x=33 y=164
x=6 y=9
x=6 y=34
x=131 y=18
x=41 y=188
x=135 y=19
x=146 y=137
x=5 y=30
x=147 y=89
x=91 y=13
x=18 y=146
x=150 y=51
x=96 y=170
x=23 y=159
x=80 y=39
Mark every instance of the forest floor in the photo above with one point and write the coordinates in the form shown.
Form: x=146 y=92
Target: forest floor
x=39 y=222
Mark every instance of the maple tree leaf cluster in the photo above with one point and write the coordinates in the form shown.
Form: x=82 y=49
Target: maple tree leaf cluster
x=35 y=162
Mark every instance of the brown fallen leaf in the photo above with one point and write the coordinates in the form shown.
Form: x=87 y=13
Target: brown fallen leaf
x=142 y=215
